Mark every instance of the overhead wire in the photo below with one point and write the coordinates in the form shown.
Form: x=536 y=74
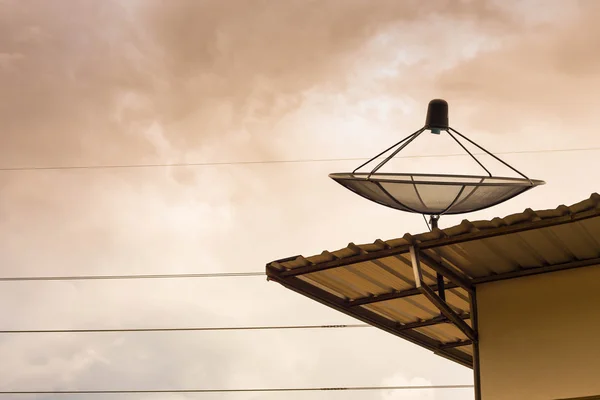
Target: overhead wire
x=221 y=163
x=128 y=277
x=427 y=223
x=187 y=329
x=174 y=391
x=213 y=275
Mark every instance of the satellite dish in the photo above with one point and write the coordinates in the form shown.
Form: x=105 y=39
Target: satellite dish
x=431 y=194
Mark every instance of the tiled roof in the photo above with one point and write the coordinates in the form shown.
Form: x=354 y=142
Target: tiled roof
x=375 y=282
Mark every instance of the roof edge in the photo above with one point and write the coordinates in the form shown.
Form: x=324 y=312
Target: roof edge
x=463 y=232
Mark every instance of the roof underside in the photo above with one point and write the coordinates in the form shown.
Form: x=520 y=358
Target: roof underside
x=375 y=282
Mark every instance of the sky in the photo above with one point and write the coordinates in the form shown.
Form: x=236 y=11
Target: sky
x=88 y=82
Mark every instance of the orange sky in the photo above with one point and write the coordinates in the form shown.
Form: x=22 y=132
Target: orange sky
x=149 y=81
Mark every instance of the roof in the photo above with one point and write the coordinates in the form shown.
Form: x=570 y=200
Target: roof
x=376 y=282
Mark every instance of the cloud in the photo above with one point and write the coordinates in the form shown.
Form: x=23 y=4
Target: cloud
x=88 y=82
x=540 y=74
x=75 y=60
x=400 y=379
x=85 y=89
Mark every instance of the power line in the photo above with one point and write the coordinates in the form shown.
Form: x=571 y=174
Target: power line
x=189 y=329
x=122 y=277
x=173 y=391
x=314 y=160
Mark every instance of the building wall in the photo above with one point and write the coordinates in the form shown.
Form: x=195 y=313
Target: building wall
x=540 y=336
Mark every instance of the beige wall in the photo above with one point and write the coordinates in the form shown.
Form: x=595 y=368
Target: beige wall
x=540 y=336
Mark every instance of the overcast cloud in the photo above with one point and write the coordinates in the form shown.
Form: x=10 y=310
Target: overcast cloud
x=92 y=82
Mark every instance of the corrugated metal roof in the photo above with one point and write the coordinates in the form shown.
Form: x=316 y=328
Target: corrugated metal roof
x=376 y=283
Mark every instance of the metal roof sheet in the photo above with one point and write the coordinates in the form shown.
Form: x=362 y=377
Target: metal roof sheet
x=376 y=282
